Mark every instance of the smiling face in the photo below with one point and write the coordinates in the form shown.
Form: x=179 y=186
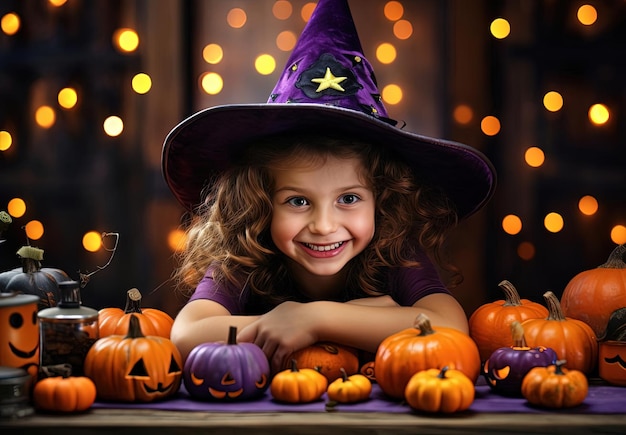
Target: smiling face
x=323 y=214
x=19 y=335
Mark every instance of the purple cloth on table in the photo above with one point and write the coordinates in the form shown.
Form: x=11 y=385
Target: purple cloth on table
x=601 y=399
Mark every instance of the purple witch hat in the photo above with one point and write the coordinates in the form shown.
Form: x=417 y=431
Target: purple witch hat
x=327 y=86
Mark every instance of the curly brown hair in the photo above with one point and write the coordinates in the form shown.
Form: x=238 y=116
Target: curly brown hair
x=230 y=230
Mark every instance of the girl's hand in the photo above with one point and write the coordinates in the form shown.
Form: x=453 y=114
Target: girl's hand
x=282 y=331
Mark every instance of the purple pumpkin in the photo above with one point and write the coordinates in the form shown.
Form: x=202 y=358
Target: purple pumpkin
x=226 y=371
x=505 y=369
x=32 y=279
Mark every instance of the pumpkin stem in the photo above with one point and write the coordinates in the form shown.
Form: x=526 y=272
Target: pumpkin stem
x=31 y=258
x=559 y=367
x=422 y=322
x=344 y=375
x=294 y=365
x=511 y=295
x=134 y=328
x=442 y=373
x=615 y=260
x=517 y=331
x=133 y=301
x=554 y=306
x=232 y=335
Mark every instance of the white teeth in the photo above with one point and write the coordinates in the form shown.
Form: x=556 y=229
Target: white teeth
x=324 y=247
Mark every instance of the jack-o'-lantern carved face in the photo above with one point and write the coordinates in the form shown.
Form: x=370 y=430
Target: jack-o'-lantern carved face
x=612 y=349
x=226 y=371
x=19 y=332
x=134 y=368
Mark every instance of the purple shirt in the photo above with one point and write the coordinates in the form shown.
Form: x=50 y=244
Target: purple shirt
x=405 y=285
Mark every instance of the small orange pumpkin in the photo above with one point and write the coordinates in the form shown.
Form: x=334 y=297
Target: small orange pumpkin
x=64 y=394
x=296 y=385
x=349 y=389
x=571 y=339
x=440 y=390
x=328 y=358
x=134 y=367
x=423 y=347
x=592 y=295
x=612 y=350
x=555 y=386
x=114 y=321
x=490 y=323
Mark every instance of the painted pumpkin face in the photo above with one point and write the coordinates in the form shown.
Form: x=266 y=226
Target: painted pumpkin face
x=612 y=362
x=19 y=332
x=134 y=368
x=226 y=371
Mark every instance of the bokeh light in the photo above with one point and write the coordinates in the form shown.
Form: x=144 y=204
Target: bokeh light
x=392 y=94
x=6 y=140
x=393 y=10
x=490 y=125
x=113 y=126
x=212 y=53
x=45 y=116
x=553 y=222
x=141 y=83
x=587 y=15
x=618 y=234
x=176 y=240
x=67 y=98
x=599 y=114
x=16 y=207
x=265 y=64
x=534 y=157
x=463 y=114
x=34 y=230
x=307 y=11
x=512 y=224
x=286 y=40
x=282 y=9
x=526 y=251
x=553 y=101
x=588 y=205
x=500 y=28
x=386 y=53
x=126 y=40
x=10 y=23
x=92 y=241
x=211 y=83
x=236 y=18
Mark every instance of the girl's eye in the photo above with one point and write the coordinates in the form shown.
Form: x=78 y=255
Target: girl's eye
x=297 y=201
x=349 y=199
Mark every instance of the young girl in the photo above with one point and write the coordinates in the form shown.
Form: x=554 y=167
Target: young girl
x=318 y=219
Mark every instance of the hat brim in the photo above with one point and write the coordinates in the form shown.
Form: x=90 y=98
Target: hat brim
x=209 y=141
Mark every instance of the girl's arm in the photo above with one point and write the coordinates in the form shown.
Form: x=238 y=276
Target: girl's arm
x=292 y=326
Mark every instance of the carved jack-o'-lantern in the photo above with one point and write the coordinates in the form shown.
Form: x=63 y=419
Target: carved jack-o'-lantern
x=226 y=371
x=134 y=368
x=612 y=349
x=19 y=332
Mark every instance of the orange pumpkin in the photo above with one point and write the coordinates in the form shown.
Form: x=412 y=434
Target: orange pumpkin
x=571 y=339
x=135 y=367
x=423 y=347
x=592 y=295
x=446 y=391
x=19 y=332
x=349 y=389
x=612 y=350
x=328 y=359
x=555 y=386
x=490 y=323
x=64 y=394
x=297 y=385
x=114 y=321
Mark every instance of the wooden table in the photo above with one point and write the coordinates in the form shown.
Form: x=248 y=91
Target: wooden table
x=145 y=421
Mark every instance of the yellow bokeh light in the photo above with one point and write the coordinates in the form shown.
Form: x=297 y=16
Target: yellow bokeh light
x=5 y=140
x=402 y=29
x=526 y=251
x=599 y=114
x=126 y=40
x=490 y=125
x=141 y=83
x=211 y=83
x=34 y=230
x=307 y=11
x=212 y=53
x=265 y=64
x=92 y=241
x=286 y=40
x=282 y=9
x=176 y=240
x=500 y=28
x=587 y=15
x=236 y=18
x=67 y=98
x=534 y=157
x=57 y=3
x=463 y=114
x=393 y=10
x=16 y=207
x=386 y=53
x=553 y=101
x=512 y=224
x=618 y=234
x=45 y=116
x=10 y=23
x=553 y=222
x=392 y=94
x=113 y=126
x=588 y=205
